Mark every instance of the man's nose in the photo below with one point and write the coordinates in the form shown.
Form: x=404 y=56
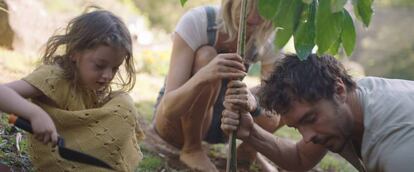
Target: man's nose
x=307 y=134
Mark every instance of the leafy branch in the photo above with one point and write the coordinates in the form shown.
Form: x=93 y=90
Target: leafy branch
x=183 y=2
x=322 y=23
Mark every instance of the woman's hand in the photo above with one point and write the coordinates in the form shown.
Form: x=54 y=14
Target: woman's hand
x=239 y=97
x=223 y=66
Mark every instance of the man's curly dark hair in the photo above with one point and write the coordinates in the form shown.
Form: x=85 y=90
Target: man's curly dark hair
x=307 y=80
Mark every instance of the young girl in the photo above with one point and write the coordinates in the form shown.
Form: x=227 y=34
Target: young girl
x=76 y=87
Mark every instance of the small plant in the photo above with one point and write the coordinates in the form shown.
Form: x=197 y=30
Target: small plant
x=150 y=162
x=18 y=160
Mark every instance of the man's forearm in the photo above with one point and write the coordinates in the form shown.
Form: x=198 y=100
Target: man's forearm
x=282 y=152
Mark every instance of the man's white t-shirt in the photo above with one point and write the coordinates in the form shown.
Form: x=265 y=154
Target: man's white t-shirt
x=388 y=140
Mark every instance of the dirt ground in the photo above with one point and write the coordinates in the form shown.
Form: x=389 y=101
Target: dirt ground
x=154 y=143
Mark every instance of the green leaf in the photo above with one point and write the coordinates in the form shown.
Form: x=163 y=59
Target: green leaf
x=337 y=5
x=282 y=37
x=307 y=1
x=268 y=8
x=183 y=2
x=287 y=18
x=348 y=35
x=333 y=50
x=328 y=26
x=304 y=36
x=363 y=10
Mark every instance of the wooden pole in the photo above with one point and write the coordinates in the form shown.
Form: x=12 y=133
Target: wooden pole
x=241 y=42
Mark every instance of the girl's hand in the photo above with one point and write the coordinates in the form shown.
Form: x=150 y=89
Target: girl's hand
x=12 y=101
x=223 y=66
x=238 y=97
x=43 y=128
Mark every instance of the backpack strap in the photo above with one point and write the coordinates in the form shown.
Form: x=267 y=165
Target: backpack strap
x=212 y=32
x=211 y=24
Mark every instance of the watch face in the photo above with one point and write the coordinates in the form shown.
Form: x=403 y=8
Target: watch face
x=256 y=112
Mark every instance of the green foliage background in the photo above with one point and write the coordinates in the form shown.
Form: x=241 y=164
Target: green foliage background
x=157 y=10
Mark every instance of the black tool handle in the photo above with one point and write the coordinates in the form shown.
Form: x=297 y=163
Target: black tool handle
x=64 y=152
x=26 y=126
x=21 y=123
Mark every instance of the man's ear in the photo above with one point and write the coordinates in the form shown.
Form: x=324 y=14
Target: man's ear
x=340 y=90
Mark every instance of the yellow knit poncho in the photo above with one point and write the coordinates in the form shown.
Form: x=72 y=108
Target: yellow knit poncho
x=109 y=132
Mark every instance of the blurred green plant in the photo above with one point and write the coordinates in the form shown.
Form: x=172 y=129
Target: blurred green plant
x=165 y=14
x=288 y=132
x=396 y=3
x=150 y=162
x=153 y=62
x=332 y=162
x=146 y=109
x=183 y=2
x=254 y=70
x=399 y=65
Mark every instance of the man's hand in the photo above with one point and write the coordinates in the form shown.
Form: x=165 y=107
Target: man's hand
x=238 y=102
x=241 y=121
x=239 y=97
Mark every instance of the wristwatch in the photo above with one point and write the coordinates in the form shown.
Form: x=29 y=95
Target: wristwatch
x=258 y=110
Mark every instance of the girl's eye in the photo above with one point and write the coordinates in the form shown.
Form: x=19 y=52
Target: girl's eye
x=99 y=66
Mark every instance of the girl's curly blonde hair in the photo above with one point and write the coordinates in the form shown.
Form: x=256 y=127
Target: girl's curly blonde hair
x=88 y=31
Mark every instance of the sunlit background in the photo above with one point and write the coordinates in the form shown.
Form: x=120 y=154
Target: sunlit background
x=385 y=48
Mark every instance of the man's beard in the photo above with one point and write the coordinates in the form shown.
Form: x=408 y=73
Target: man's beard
x=340 y=148
x=345 y=130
